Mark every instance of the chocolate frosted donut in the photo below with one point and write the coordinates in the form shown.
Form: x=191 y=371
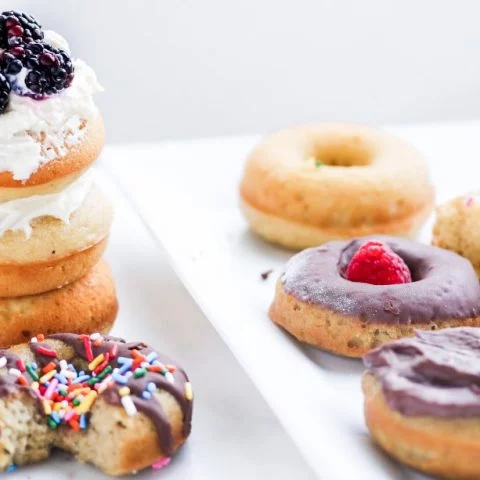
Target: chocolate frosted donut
x=318 y=305
x=422 y=401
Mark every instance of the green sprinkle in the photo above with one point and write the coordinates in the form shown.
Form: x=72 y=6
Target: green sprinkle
x=105 y=372
x=63 y=393
x=51 y=423
x=76 y=401
x=93 y=381
x=31 y=371
x=139 y=372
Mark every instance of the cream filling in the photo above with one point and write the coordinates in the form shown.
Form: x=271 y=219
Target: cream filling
x=34 y=132
x=18 y=214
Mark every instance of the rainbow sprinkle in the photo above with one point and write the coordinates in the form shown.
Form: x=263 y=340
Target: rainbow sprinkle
x=161 y=463
x=67 y=395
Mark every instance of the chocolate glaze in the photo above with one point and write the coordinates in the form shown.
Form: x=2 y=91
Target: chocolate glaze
x=444 y=284
x=435 y=373
x=151 y=408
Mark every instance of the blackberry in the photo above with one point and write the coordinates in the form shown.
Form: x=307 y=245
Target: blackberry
x=17 y=28
x=37 y=69
x=4 y=92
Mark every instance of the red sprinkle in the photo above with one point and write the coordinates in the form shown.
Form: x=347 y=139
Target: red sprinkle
x=48 y=352
x=22 y=380
x=88 y=348
x=138 y=356
x=21 y=365
x=74 y=424
x=113 y=350
x=103 y=364
x=48 y=367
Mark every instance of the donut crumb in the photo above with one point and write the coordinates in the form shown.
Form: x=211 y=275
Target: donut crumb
x=264 y=275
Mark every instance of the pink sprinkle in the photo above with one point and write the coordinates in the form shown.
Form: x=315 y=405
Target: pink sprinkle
x=469 y=201
x=159 y=464
x=69 y=415
x=51 y=388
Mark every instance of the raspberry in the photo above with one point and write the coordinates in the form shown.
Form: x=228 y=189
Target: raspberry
x=376 y=263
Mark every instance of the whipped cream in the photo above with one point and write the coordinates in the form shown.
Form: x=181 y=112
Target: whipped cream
x=34 y=132
x=19 y=213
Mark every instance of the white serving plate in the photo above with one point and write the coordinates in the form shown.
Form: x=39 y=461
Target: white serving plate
x=187 y=193
x=155 y=307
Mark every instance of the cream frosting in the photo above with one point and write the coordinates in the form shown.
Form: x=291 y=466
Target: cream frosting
x=34 y=132
x=19 y=213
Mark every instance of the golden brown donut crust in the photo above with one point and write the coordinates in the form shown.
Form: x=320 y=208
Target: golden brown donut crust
x=79 y=157
x=291 y=201
x=32 y=278
x=85 y=306
x=457 y=228
x=446 y=448
x=339 y=334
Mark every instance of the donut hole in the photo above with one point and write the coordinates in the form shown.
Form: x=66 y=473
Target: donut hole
x=345 y=152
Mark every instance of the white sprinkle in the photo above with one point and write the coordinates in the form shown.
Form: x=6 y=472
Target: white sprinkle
x=63 y=364
x=3 y=362
x=129 y=374
x=145 y=364
x=128 y=405
x=169 y=377
x=95 y=336
x=15 y=372
x=33 y=340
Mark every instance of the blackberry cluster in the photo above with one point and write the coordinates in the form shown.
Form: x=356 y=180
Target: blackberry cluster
x=4 y=92
x=17 y=28
x=28 y=65
x=48 y=70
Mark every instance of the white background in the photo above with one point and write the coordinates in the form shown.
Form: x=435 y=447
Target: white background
x=179 y=68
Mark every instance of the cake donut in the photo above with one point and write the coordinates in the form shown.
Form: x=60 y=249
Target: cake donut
x=422 y=401
x=457 y=227
x=322 y=299
x=86 y=305
x=308 y=185
x=120 y=406
x=54 y=220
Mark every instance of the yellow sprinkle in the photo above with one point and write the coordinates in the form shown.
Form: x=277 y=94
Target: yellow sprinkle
x=188 y=391
x=85 y=406
x=46 y=407
x=34 y=386
x=81 y=391
x=57 y=407
x=96 y=362
x=124 y=391
x=48 y=376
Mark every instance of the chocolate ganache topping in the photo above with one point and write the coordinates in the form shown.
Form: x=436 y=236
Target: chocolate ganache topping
x=444 y=284
x=435 y=373
x=114 y=351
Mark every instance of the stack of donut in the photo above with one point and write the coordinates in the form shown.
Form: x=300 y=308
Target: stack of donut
x=54 y=220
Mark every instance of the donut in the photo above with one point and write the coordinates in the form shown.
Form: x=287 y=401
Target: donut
x=307 y=185
x=422 y=401
x=316 y=304
x=86 y=305
x=119 y=406
x=457 y=228
x=46 y=252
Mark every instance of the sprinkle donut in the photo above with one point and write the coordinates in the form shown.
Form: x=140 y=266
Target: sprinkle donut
x=120 y=406
x=318 y=305
x=308 y=185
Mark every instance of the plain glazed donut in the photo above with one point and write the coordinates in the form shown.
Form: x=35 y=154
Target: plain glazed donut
x=87 y=305
x=422 y=401
x=307 y=185
x=316 y=304
x=107 y=410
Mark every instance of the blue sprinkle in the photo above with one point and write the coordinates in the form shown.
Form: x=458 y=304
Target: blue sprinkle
x=120 y=378
x=151 y=387
x=146 y=395
x=34 y=365
x=11 y=468
x=124 y=368
x=46 y=384
x=61 y=378
x=151 y=357
x=81 y=379
x=81 y=373
x=123 y=360
x=55 y=417
x=83 y=421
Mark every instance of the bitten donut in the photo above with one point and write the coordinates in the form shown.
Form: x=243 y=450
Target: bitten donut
x=307 y=185
x=120 y=406
x=318 y=304
x=87 y=305
x=457 y=228
x=422 y=401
